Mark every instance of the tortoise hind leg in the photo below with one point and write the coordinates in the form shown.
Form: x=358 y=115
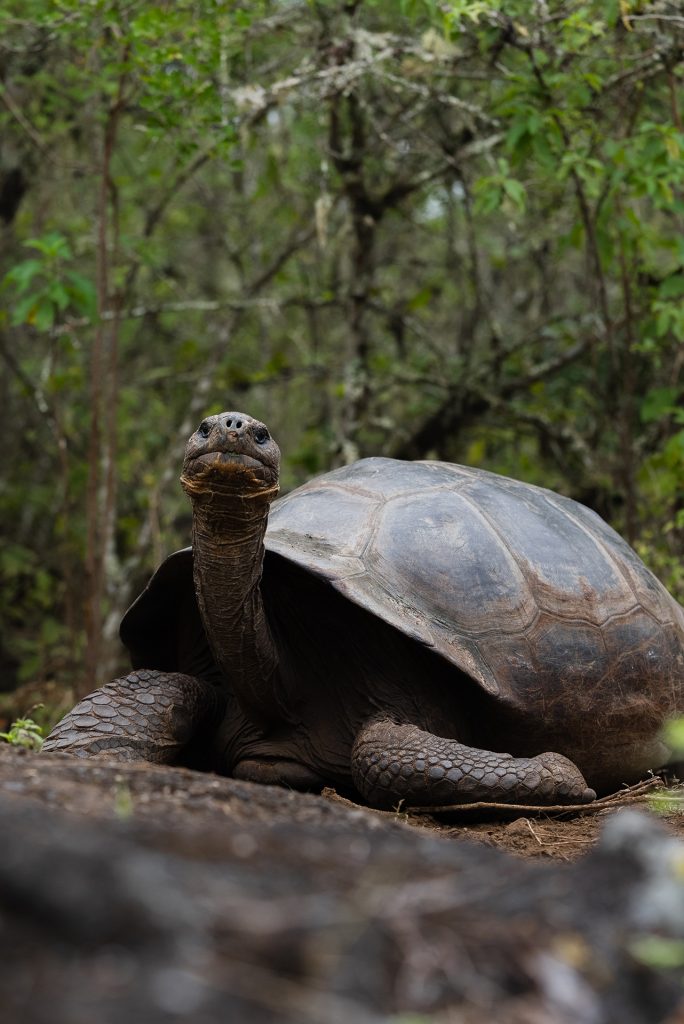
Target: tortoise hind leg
x=147 y=715
x=393 y=763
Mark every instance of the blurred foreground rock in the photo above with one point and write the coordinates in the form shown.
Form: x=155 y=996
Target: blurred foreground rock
x=253 y=905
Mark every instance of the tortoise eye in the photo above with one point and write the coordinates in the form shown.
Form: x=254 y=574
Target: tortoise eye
x=261 y=435
x=204 y=429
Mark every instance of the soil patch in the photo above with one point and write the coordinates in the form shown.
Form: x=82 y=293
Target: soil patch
x=150 y=895
x=178 y=798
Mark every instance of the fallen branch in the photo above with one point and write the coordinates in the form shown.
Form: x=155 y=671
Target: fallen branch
x=640 y=792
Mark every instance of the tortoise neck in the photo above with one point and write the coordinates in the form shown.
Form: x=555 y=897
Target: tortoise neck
x=228 y=555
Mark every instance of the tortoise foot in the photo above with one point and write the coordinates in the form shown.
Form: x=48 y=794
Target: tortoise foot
x=278 y=772
x=394 y=763
x=146 y=715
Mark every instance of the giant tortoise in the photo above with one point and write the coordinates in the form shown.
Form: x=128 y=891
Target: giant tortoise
x=406 y=631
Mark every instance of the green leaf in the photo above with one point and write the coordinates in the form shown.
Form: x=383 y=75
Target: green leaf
x=672 y=287
x=420 y=299
x=518 y=132
x=659 y=952
x=58 y=294
x=24 y=732
x=82 y=293
x=43 y=314
x=53 y=245
x=488 y=197
x=22 y=312
x=658 y=403
x=23 y=273
x=673 y=734
x=515 y=192
x=15 y=560
x=674 y=449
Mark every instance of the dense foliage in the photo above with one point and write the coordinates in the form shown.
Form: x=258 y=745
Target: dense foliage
x=422 y=229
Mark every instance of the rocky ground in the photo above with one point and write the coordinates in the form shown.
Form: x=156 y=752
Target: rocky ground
x=142 y=894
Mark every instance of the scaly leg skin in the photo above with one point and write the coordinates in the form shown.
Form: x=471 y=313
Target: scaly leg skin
x=393 y=763
x=146 y=715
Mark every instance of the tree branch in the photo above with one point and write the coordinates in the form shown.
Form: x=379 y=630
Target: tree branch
x=466 y=404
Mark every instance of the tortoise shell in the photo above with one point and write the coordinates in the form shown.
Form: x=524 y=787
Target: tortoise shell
x=519 y=587
x=526 y=591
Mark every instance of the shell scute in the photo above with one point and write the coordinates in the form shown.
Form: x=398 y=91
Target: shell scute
x=436 y=550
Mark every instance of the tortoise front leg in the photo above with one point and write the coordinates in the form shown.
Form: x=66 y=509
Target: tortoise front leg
x=392 y=763
x=147 y=715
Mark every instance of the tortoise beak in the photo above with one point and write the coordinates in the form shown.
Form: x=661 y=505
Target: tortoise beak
x=221 y=458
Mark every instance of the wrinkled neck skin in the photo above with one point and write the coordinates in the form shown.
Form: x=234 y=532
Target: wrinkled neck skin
x=228 y=553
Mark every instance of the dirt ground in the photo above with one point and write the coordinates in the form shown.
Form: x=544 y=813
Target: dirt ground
x=145 y=895
x=97 y=788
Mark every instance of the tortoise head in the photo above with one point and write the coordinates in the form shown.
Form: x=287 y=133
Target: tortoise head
x=231 y=453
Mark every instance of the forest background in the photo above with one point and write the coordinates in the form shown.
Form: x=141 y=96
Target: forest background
x=419 y=229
